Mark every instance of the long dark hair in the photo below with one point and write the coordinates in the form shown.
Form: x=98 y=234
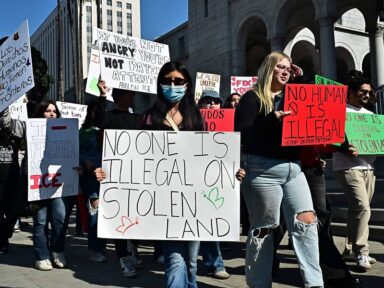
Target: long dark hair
x=192 y=119
x=42 y=107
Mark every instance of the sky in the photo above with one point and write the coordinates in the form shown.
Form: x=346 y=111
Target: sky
x=157 y=16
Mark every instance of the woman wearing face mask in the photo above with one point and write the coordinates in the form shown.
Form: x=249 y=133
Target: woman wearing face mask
x=175 y=109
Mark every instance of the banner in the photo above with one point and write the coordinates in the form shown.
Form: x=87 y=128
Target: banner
x=71 y=110
x=170 y=185
x=16 y=73
x=219 y=119
x=94 y=70
x=241 y=84
x=53 y=151
x=365 y=132
x=130 y=63
x=318 y=114
x=325 y=81
x=206 y=81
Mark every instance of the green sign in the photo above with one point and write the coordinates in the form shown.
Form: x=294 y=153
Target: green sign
x=325 y=81
x=365 y=132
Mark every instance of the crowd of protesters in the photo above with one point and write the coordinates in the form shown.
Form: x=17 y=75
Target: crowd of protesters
x=281 y=186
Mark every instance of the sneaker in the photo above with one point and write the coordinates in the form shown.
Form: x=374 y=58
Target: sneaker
x=127 y=269
x=371 y=260
x=137 y=262
x=43 y=265
x=221 y=274
x=59 y=260
x=97 y=256
x=362 y=262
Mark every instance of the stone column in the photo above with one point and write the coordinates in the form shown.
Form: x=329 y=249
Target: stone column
x=327 y=47
x=377 y=55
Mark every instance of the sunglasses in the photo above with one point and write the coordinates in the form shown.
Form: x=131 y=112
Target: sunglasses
x=209 y=100
x=175 y=81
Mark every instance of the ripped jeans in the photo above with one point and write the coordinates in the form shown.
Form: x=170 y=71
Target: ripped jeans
x=269 y=184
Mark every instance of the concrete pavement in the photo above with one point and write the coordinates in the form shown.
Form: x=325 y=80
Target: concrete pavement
x=16 y=267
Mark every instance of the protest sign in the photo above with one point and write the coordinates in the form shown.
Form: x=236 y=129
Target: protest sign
x=219 y=119
x=130 y=63
x=318 y=114
x=206 y=81
x=71 y=110
x=325 y=81
x=18 y=109
x=170 y=185
x=53 y=151
x=241 y=84
x=94 y=70
x=365 y=132
x=16 y=73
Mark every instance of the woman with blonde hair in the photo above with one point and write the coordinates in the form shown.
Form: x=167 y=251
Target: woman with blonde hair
x=274 y=179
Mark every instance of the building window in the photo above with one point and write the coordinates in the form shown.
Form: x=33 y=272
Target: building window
x=118 y=4
x=129 y=24
x=109 y=2
x=205 y=8
x=129 y=6
x=89 y=9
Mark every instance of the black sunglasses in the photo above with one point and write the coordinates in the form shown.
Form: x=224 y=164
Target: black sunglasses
x=176 y=81
x=209 y=100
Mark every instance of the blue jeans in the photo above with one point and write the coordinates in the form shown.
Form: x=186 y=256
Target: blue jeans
x=212 y=259
x=58 y=209
x=270 y=184
x=180 y=263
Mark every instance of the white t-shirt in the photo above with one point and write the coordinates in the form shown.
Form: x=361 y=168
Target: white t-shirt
x=342 y=161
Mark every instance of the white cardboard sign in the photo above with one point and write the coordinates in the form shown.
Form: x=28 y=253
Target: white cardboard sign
x=170 y=185
x=241 y=84
x=206 y=81
x=16 y=72
x=72 y=110
x=53 y=151
x=130 y=63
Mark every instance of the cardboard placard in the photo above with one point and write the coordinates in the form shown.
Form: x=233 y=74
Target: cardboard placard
x=170 y=185
x=130 y=63
x=219 y=119
x=53 y=151
x=365 y=132
x=241 y=84
x=206 y=81
x=320 y=80
x=318 y=114
x=72 y=110
x=16 y=72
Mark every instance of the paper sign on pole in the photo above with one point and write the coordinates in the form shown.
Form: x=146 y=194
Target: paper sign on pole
x=16 y=72
x=241 y=84
x=94 y=69
x=53 y=151
x=325 y=81
x=219 y=119
x=71 y=110
x=365 y=132
x=318 y=114
x=170 y=185
x=18 y=111
x=206 y=81
x=130 y=63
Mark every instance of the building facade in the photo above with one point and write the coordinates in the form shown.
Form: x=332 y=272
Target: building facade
x=326 y=37
x=120 y=16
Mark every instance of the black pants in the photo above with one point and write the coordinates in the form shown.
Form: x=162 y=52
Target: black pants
x=7 y=217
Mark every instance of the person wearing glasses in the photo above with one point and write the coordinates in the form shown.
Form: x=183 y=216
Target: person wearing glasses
x=356 y=175
x=210 y=99
x=274 y=179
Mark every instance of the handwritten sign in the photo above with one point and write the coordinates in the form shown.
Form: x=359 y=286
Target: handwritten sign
x=170 y=185
x=206 y=81
x=130 y=63
x=53 y=151
x=365 y=132
x=325 y=81
x=241 y=84
x=318 y=114
x=16 y=72
x=94 y=70
x=18 y=109
x=71 y=110
x=219 y=119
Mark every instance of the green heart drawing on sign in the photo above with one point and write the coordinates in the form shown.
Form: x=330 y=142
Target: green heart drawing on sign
x=214 y=197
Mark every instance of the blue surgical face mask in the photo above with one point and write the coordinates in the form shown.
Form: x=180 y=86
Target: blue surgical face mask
x=173 y=93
